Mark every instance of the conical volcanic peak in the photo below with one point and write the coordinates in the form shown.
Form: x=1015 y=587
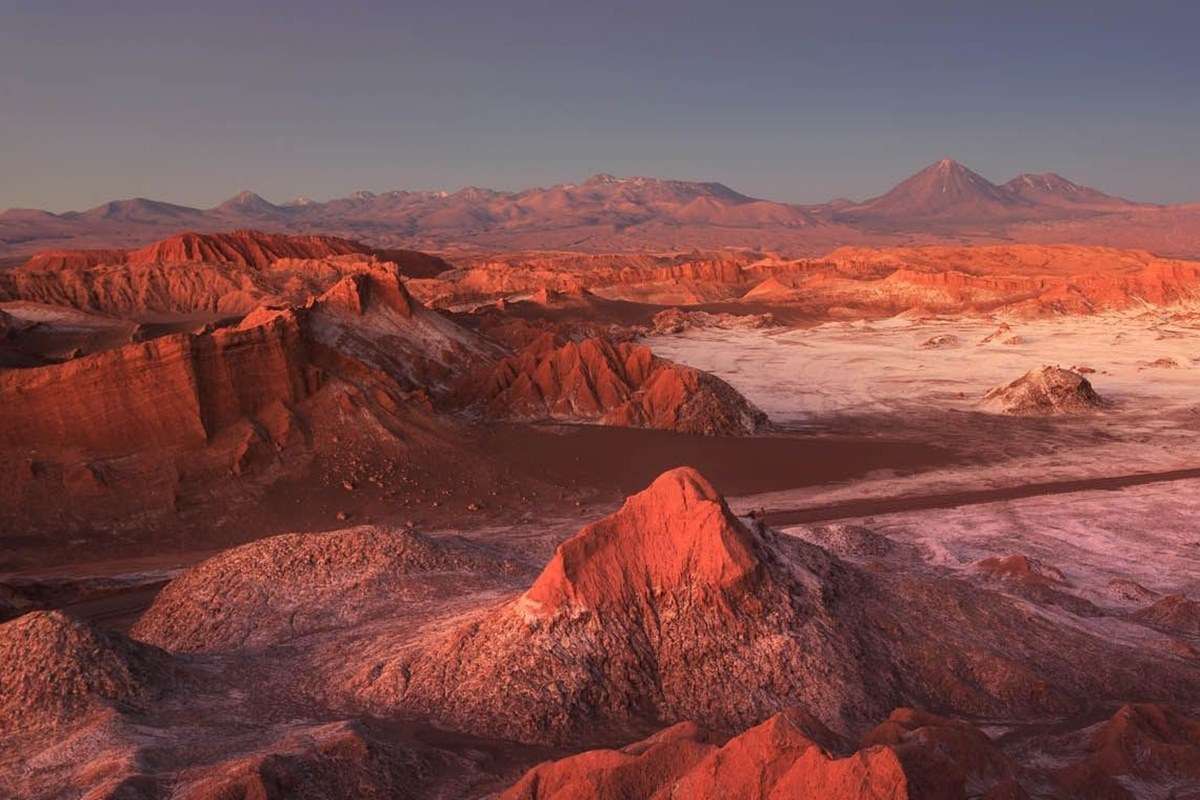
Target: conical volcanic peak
x=248 y=202
x=675 y=537
x=1052 y=189
x=946 y=189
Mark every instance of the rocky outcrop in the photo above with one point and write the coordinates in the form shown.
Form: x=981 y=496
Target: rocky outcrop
x=136 y=434
x=1174 y=613
x=1045 y=391
x=1144 y=750
x=1020 y=568
x=370 y=318
x=668 y=609
x=675 y=320
x=943 y=341
x=180 y=391
x=912 y=755
x=55 y=670
x=192 y=273
x=672 y=609
x=177 y=391
x=346 y=760
x=286 y=586
x=615 y=384
x=244 y=248
x=173 y=392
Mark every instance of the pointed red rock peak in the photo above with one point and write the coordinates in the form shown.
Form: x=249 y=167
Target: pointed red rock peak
x=677 y=536
x=359 y=292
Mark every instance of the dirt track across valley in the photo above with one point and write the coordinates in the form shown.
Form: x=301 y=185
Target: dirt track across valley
x=852 y=509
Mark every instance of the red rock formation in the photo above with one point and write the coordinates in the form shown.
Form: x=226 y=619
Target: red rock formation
x=54 y=670
x=336 y=761
x=913 y=755
x=151 y=428
x=60 y=260
x=192 y=273
x=667 y=607
x=642 y=552
x=671 y=609
x=1144 y=750
x=1044 y=391
x=622 y=384
x=369 y=317
x=286 y=586
x=675 y=320
x=244 y=248
x=179 y=391
x=174 y=392
x=944 y=758
x=1030 y=280
x=1025 y=280
x=1174 y=613
x=1020 y=568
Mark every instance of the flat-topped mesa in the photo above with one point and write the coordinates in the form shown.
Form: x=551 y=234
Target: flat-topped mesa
x=182 y=390
x=242 y=247
x=1045 y=391
x=677 y=538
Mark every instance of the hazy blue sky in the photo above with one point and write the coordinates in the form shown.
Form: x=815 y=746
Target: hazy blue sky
x=190 y=102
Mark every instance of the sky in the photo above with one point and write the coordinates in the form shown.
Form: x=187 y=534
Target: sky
x=793 y=101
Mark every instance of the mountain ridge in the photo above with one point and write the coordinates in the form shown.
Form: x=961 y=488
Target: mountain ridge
x=638 y=213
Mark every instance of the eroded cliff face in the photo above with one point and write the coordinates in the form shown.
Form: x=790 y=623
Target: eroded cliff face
x=625 y=384
x=153 y=428
x=199 y=274
x=244 y=248
x=174 y=392
x=911 y=755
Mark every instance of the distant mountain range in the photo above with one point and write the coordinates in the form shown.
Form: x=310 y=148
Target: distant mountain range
x=945 y=201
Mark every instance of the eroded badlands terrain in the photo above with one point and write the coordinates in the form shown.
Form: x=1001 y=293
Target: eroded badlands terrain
x=299 y=517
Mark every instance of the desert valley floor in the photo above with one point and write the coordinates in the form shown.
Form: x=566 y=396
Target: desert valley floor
x=290 y=516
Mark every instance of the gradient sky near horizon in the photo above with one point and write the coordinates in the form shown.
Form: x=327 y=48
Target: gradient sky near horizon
x=803 y=102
